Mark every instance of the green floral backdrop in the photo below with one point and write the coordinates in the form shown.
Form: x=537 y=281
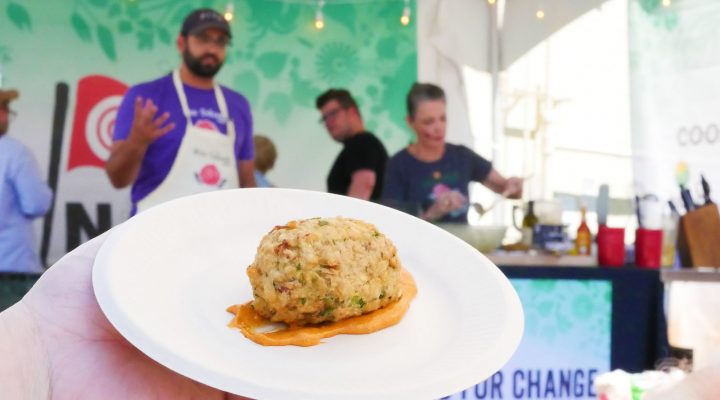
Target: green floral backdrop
x=278 y=59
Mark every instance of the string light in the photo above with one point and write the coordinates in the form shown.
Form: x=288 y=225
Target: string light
x=229 y=12
x=540 y=9
x=666 y=3
x=319 y=17
x=405 y=18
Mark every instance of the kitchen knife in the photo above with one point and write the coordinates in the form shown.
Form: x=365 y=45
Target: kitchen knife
x=706 y=189
x=687 y=199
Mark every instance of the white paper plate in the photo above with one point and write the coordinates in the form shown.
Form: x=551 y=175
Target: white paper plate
x=165 y=277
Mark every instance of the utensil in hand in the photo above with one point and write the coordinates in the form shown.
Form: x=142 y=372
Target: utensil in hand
x=482 y=210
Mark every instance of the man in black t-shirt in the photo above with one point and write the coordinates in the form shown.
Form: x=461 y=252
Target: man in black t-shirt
x=359 y=168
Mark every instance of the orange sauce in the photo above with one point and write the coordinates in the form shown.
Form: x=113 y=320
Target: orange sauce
x=248 y=321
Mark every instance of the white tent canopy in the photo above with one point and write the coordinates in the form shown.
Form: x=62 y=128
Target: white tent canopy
x=473 y=33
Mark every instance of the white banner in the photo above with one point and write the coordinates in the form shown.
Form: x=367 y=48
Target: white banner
x=85 y=203
x=675 y=70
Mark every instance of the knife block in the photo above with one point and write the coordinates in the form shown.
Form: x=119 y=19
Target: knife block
x=698 y=240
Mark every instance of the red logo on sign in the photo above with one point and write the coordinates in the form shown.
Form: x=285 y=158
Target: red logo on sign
x=98 y=99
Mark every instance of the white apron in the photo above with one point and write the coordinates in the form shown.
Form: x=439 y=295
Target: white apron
x=205 y=160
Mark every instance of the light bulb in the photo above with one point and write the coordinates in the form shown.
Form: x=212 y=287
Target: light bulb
x=666 y=3
x=405 y=18
x=319 y=17
x=540 y=14
x=319 y=20
x=229 y=12
x=491 y=2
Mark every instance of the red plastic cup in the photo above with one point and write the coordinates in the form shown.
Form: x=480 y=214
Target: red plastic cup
x=648 y=247
x=611 y=246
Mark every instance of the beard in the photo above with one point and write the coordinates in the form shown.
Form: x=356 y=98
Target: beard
x=196 y=66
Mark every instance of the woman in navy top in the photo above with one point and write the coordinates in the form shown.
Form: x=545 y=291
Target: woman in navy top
x=430 y=177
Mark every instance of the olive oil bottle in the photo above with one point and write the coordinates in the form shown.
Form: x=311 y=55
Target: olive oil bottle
x=528 y=224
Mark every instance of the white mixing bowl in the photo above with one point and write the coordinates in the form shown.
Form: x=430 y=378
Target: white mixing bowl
x=485 y=238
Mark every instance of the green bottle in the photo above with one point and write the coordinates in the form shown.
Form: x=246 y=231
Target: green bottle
x=528 y=224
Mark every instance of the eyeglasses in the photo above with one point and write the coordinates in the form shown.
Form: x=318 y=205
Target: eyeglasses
x=329 y=115
x=220 y=41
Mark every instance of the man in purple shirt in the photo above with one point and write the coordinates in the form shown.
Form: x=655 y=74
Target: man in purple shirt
x=183 y=134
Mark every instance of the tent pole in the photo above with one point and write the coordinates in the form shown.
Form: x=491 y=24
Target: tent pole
x=498 y=158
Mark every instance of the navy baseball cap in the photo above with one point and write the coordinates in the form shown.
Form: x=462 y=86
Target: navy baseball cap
x=204 y=18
